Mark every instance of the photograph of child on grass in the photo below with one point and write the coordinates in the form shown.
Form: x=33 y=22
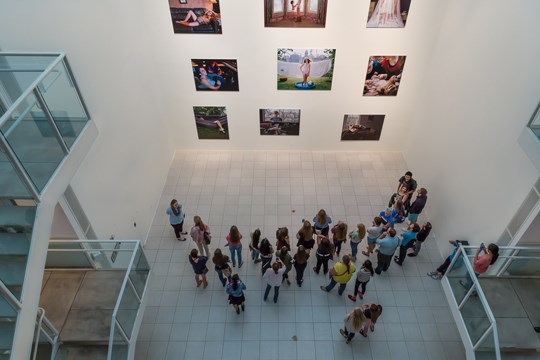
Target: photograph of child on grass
x=211 y=122
x=215 y=74
x=383 y=75
x=279 y=121
x=362 y=127
x=305 y=69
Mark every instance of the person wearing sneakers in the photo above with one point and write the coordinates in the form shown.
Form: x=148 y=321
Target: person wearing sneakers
x=235 y=289
x=340 y=274
x=199 y=267
x=235 y=246
x=362 y=278
x=176 y=219
x=441 y=270
x=373 y=234
x=354 y=322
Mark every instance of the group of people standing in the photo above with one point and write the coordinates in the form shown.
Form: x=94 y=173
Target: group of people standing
x=318 y=239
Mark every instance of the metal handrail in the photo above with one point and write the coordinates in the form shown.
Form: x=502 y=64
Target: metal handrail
x=9 y=296
x=114 y=321
x=31 y=87
x=492 y=329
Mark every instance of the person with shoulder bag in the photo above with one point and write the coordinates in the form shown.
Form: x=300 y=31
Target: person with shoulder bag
x=340 y=274
x=200 y=233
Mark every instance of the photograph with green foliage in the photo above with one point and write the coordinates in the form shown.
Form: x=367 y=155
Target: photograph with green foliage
x=211 y=122
x=305 y=69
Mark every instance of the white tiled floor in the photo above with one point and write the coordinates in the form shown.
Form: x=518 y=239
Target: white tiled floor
x=267 y=190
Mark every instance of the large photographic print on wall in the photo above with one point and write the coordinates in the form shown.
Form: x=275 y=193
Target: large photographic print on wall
x=305 y=69
x=215 y=75
x=195 y=16
x=211 y=122
x=279 y=121
x=388 y=13
x=362 y=127
x=383 y=75
x=295 y=13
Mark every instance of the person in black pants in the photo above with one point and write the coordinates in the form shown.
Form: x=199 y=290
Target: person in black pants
x=407 y=241
x=324 y=253
x=300 y=263
x=441 y=270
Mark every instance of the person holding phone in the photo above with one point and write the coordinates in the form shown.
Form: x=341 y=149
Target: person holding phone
x=481 y=263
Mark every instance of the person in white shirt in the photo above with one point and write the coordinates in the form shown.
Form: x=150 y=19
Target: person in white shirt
x=274 y=278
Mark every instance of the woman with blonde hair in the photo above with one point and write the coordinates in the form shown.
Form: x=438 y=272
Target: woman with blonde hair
x=197 y=234
x=305 y=236
x=354 y=322
x=356 y=238
x=321 y=222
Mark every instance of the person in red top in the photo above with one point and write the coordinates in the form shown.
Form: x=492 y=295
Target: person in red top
x=482 y=263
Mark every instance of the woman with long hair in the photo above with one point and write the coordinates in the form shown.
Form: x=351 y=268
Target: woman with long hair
x=235 y=289
x=354 y=322
x=197 y=234
x=356 y=238
x=266 y=251
x=323 y=254
x=286 y=258
x=321 y=222
x=362 y=278
x=282 y=236
x=221 y=266
x=176 y=219
x=235 y=246
x=254 y=246
x=339 y=232
x=372 y=313
x=340 y=274
x=300 y=263
x=305 y=236
x=481 y=263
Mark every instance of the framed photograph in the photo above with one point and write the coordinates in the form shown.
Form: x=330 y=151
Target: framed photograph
x=295 y=13
x=195 y=16
x=305 y=69
x=384 y=75
x=362 y=127
x=388 y=13
x=211 y=122
x=215 y=74
x=279 y=121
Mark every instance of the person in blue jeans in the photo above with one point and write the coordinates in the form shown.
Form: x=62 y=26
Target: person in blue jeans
x=356 y=237
x=235 y=246
x=274 y=278
x=340 y=274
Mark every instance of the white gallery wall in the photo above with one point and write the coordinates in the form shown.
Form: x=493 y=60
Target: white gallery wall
x=255 y=47
x=478 y=95
x=121 y=178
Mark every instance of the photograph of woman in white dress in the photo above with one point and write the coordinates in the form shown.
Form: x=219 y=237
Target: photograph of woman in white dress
x=388 y=13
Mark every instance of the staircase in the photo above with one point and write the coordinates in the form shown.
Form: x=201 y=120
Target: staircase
x=16 y=223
